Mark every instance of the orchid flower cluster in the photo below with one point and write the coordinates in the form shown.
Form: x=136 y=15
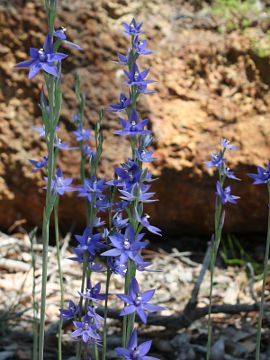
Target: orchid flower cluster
x=48 y=60
x=223 y=196
x=121 y=241
x=263 y=177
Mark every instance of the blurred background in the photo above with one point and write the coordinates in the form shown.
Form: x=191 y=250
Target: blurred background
x=211 y=63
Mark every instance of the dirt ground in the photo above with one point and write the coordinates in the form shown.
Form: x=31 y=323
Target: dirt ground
x=235 y=286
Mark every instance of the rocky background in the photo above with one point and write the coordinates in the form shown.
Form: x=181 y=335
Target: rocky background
x=211 y=84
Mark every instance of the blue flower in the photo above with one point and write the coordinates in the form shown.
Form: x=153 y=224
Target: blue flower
x=40 y=130
x=88 y=152
x=143 y=155
x=60 y=145
x=229 y=174
x=43 y=59
x=135 y=77
x=60 y=185
x=86 y=329
x=82 y=134
x=126 y=246
x=98 y=222
x=103 y=203
x=93 y=293
x=123 y=104
x=262 y=176
x=217 y=160
x=69 y=313
x=138 y=302
x=61 y=35
x=119 y=222
x=127 y=175
x=133 y=126
x=91 y=187
x=135 y=351
x=38 y=165
x=140 y=46
x=91 y=313
x=138 y=193
x=88 y=241
x=225 y=194
x=133 y=28
x=144 y=221
x=123 y=59
x=226 y=144
x=116 y=267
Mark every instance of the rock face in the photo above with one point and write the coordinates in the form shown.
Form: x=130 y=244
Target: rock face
x=210 y=85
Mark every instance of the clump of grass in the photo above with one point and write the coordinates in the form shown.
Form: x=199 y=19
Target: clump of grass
x=261 y=46
x=236 y=14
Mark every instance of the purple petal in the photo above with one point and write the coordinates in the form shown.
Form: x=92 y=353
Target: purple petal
x=130 y=309
x=142 y=314
x=134 y=288
x=133 y=339
x=48 y=44
x=116 y=242
x=34 y=53
x=25 y=64
x=72 y=45
x=145 y=347
x=153 y=308
x=50 y=69
x=125 y=298
x=34 y=70
x=122 y=352
x=147 y=295
x=112 y=252
x=56 y=57
x=76 y=333
x=85 y=336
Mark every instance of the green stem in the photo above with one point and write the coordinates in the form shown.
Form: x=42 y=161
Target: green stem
x=104 y=352
x=214 y=251
x=46 y=217
x=79 y=345
x=45 y=237
x=128 y=321
x=60 y=324
x=96 y=352
x=265 y=269
x=32 y=238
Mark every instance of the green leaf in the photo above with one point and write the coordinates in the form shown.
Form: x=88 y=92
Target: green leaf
x=58 y=102
x=78 y=87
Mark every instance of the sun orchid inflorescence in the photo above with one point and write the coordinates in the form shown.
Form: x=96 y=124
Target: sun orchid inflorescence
x=121 y=241
x=223 y=196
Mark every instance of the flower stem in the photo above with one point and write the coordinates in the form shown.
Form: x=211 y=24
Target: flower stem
x=104 y=352
x=265 y=269
x=47 y=214
x=214 y=251
x=60 y=324
x=32 y=237
x=128 y=321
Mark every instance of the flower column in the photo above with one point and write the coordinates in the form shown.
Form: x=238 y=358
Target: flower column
x=48 y=60
x=133 y=184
